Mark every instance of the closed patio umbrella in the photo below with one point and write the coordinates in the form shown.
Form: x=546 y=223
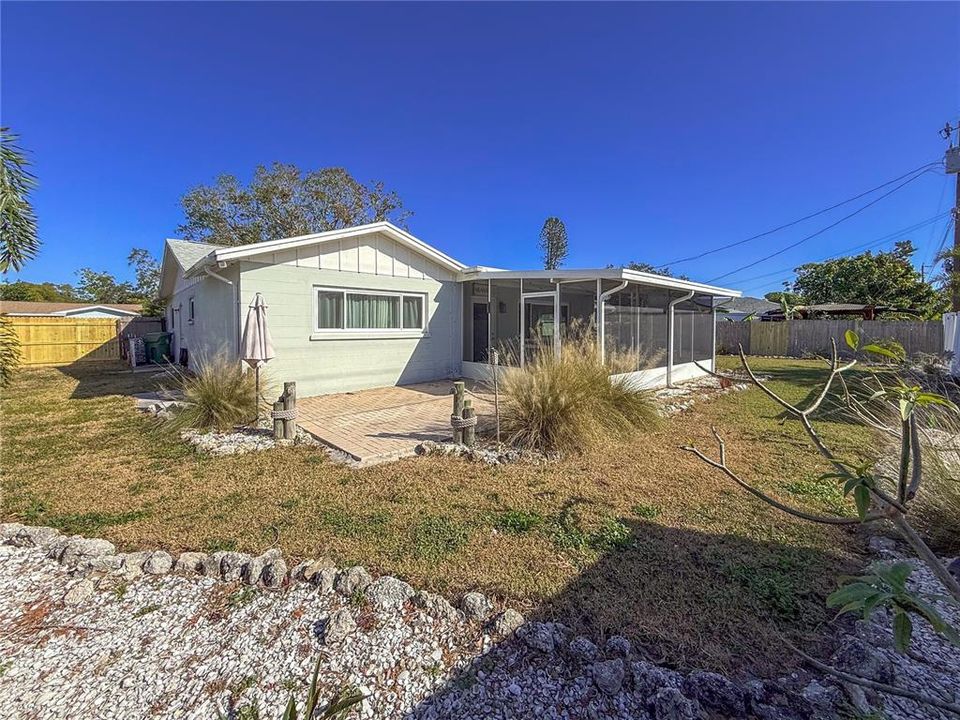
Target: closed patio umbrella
x=257 y=346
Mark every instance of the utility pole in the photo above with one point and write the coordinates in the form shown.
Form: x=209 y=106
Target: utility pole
x=952 y=163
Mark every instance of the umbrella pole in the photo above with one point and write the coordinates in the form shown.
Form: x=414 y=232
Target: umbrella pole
x=257 y=421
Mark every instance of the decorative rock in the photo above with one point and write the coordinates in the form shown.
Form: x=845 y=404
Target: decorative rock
x=388 y=593
x=79 y=592
x=506 y=623
x=232 y=565
x=189 y=563
x=274 y=572
x=325 y=579
x=351 y=580
x=158 y=563
x=649 y=678
x=8 y=530
x=854 y=655
x=437 y=607
x=101 y=564
x=211 y=564
x=539 y=636
x=79 y=548
x=313 y=568
x=476 y=606
x=608 y=675
x=583 y=649
x=33 y=536
x=339 y=625
x=824 y=699
x=881 y=544
x=715 y=692
x=133 y=563
x=669 y=704
x=954 y=567
x=618 y=646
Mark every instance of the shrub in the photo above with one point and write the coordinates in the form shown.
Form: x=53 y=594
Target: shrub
x=9 y=351
x=219 y=396
x=937 y=510
x=571 y=403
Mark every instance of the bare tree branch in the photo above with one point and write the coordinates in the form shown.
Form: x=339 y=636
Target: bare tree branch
x=872 y=684
x=725 y=469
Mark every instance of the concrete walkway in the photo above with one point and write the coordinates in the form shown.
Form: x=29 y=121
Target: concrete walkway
x=384 y=424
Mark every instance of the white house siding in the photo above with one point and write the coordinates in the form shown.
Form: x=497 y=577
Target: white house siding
x=324 y=363
x=215 y=325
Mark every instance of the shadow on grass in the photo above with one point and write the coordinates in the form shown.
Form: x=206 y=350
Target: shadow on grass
x=97 y=380
x=685 y=599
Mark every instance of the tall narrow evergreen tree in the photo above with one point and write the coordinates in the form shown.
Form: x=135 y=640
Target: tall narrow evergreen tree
x=553 y=243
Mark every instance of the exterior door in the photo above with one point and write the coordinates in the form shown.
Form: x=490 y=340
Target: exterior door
x=481 y=325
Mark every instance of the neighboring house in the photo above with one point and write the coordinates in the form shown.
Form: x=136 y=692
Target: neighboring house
x=373 y=306
x=825 y=310
x=59 y=309
x=745 y=307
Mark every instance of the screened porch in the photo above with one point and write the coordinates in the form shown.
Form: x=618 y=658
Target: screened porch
x=647 y=325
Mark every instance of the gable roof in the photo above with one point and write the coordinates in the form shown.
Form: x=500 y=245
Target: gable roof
x=222 y=254
x=24 y=307
x=750 y=305
x=180 y=256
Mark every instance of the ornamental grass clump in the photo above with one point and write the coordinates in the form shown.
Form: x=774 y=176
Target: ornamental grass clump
x=219 y=396
x=571 y=403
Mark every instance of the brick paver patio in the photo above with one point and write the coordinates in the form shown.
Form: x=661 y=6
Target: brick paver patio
x=386 y=423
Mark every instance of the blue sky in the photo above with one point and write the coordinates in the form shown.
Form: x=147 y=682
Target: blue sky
x=653 y=130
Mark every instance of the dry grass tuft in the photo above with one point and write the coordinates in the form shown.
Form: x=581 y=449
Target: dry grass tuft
x=571 y=403
x=220 y=396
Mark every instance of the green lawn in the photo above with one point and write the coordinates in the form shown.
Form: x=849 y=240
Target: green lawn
x=640 y=538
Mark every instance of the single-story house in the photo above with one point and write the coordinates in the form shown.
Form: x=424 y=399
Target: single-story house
x=745 y=307
x=374 y=306
x=826 y=310
x=62 y=309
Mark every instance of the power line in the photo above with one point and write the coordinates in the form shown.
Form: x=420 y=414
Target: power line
x=943 y=241
x=865 y=246
x=822 y=230
x=805 y=217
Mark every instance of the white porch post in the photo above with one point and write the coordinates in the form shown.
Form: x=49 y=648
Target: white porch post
x=713 y=339
x=523 y=349
x=670 y=342
x=490 y=316
x=556 y=321
x=600 y=337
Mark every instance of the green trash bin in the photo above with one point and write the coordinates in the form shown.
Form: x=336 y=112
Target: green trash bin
x=157 y=346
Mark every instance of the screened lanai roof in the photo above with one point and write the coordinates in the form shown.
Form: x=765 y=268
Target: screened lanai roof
x=620 y=274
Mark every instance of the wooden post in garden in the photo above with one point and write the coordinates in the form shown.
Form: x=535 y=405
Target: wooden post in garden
x=290 y=404
x=278 y=422
x=458 y=393
x=469 y=432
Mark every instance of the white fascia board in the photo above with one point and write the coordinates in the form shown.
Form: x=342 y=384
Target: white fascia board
x=604 y=274
x=232 y=254
x=88 y=308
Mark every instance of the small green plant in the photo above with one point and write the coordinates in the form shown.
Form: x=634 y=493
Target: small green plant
x=645 y=511
x=336 y=708
x=886 y=586
x=518 y=522
x=242 y=596
x=358 y=598
x=120 y=590
x=220 y=396
x=146 y=610
x=611 y=534
x=436 y=536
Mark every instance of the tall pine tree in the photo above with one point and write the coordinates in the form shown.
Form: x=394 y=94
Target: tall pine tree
x=553 y=243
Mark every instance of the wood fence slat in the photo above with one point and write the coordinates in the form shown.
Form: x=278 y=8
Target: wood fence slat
x=48 y=340
x=805 y=338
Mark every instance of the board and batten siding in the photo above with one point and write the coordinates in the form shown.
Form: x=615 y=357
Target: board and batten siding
x=326 y=363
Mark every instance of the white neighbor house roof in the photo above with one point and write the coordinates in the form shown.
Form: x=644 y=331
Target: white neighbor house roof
x=196 y=258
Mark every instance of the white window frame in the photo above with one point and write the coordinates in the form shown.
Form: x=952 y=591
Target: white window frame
x=344 y=332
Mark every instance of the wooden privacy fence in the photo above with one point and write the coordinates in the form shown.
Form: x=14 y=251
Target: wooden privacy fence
x=803 y=338
x=46 y=340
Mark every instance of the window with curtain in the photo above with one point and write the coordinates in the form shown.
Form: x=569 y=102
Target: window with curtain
x=363 y=310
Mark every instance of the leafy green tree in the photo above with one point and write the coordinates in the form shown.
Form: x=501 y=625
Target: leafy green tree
x=18 y=224
x=883 y=278
x=780 y=295
x=283 y=201
x=147 y=270
x=37 y=292
x=553 y=243
x=648 y=268
x=102 y=287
